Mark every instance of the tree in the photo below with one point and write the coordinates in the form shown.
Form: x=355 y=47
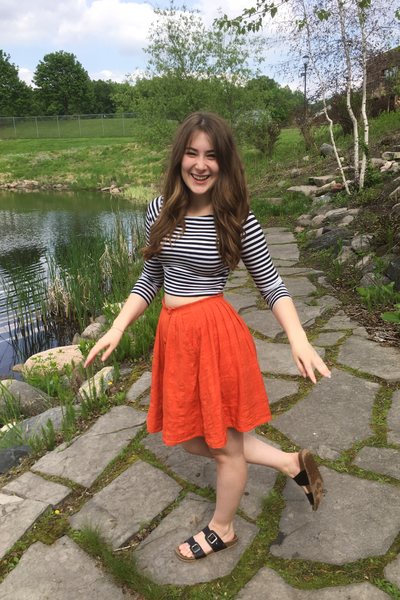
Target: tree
x=15 y=95
x=103 y=102
x=63 y=85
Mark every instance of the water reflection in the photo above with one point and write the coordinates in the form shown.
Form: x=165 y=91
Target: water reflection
x=33 y=226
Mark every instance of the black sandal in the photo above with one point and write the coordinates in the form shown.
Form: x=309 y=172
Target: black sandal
x=310 y=476
x=212 y=539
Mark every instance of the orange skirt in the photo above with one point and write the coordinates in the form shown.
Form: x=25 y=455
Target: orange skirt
x=205 y=375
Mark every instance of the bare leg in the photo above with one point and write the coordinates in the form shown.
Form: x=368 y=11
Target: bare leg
x=256 y=452
x=231 y=481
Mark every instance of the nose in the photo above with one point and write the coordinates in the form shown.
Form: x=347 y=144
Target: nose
x=200 y=162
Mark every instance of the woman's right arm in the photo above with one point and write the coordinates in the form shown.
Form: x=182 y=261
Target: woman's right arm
x=131 y=310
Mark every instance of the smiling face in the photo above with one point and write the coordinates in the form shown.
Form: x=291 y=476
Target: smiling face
x=199 y=167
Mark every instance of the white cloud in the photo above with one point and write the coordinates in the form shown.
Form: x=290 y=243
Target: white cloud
x=25 y=75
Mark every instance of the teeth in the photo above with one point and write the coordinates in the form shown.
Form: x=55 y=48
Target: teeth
x=200 y=177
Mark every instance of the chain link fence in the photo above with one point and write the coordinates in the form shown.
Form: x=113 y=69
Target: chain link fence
x=69 y=126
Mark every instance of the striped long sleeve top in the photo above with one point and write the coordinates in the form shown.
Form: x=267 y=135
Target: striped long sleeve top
x=191 y=265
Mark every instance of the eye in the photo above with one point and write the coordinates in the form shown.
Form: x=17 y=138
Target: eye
x=190 y=152
x=212 y=155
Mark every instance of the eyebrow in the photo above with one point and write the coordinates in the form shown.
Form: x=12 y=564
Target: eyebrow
x=211 y=151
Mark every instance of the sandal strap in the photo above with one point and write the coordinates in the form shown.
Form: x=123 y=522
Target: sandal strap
x=213 y=539
x=302 y=478
x=195 y=547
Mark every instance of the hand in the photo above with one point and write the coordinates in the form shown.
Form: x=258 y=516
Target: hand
x=108 y=342
x=307 y=360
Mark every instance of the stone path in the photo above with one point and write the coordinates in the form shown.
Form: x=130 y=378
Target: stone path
x=146 y=497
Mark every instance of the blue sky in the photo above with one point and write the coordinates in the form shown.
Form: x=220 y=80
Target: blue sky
x=107 y=36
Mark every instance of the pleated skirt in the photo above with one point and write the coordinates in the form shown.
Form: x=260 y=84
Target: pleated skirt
x=205 y=374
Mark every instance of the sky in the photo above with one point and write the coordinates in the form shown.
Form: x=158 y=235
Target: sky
x=106 y=36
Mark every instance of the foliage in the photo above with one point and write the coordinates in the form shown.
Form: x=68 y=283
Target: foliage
x=258 y=129
x=15 y=95
x=339 y=112
x=375 y=296
x=102 y=94
x=63 y=85
x=392 y=316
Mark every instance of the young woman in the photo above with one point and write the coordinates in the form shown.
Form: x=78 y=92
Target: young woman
x=207 y=391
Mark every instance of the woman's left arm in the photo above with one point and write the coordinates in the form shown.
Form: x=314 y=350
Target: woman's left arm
x=306 y=358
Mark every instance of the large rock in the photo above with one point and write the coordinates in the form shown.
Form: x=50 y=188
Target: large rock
x=29 y=400
x=307 y=190
x=11 y=457
x=393 y=272
x=55 y=358
x=98 y=385
x=331 y=239
x=326 y=150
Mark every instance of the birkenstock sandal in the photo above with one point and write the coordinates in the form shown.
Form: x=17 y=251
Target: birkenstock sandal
x=310 y=477
x=213 y=540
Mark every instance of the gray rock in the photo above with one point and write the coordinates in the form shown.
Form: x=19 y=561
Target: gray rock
x=267 y=579
x=278 y=389
x=317 y=220
x=369 y=279
x=155 y=556
x=326 y=150
x=327 y=302
x=357 y=519
x=61 y=571
x=370 y=357
x=33 y=426
x=124 y=506
x=345 y=255
x=393 y=272
x=361 y=242
x=28 y=399
x=283 y=237
x=200 y=471
x=328 y=339
x=11 y=457
x=300 y=286
x=393 y=420
x=376 y=163
x=346 y=221
x=336 y=413
x=321 y=180
x=304 y=220
x=17 y=517
x=263 y=321
x=391 y=155
x=241 y=301
x=140 y=386
x=331 y=239
x=392 y=571
x=115 y=430
x=93 y=331
x=277 y=358
x=97 y=385
x=380 y=460
x=336 y=213
x=307 y=190
x=285 y=251
x=33 y=487
x=340 y=321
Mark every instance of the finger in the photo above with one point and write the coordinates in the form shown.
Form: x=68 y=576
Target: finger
x=300 y=367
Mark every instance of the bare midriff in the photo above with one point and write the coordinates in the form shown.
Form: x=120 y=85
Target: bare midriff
x=175 y=301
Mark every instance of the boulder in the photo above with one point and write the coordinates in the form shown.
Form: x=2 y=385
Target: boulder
x=307 y=190
x=393 y=272
x=345 y=255
x=29 y=400
x=361 y=242
x=321 y=180
x=56 y=358
x=97 y=385
x=333 y=239
x=377 y=163
x=326 y=150
x=391 y=155
x=11 y=457
x=93 y=331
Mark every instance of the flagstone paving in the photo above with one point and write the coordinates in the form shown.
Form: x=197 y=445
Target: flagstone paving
x=161 y=495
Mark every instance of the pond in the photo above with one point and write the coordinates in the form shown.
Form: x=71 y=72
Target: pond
x=32 y=226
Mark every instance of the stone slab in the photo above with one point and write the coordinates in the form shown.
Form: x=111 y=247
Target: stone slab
x=341 y=322
x=156 y=558
x=278 y=389
x=358 y=518
x=285 y=252
x=133 y=499
x=17 y=516
x=241 y=301
x=285 y=237
x=278 y=589
x=284 y=263
x=61 y=571
x=335 y=414
x=370 y=357
x=307 y=190
x=380 y=460
x=328 y=339
x=200 y=471
x=288 y=271
x=300 y=286
x=263 y=321
x=307 y=313
x=327 y=302
x=392 y=571
x=94 y=449
x=33 y=487
x=393 y=420
x=277 y=358
x=140 y=386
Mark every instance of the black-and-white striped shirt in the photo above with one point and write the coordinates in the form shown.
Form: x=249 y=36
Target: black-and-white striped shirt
x=191 y=264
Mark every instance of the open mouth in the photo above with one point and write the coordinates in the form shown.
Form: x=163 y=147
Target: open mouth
x=200 y=178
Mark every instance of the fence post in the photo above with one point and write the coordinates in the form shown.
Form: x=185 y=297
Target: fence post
x=58 y=127
x=15 y=129
x=79 y=123
x=37 y=128
x=102 y=123
x=123 y=124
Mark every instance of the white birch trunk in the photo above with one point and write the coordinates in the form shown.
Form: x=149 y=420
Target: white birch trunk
x=363 y=169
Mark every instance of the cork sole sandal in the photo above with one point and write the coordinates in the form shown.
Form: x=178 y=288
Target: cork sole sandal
x=310 y=477
x=212 y=539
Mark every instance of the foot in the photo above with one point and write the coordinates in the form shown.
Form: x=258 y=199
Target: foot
x=309 y=478
x=227 y=536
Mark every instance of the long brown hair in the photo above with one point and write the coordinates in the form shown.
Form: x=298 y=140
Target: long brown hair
x=229 y=195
